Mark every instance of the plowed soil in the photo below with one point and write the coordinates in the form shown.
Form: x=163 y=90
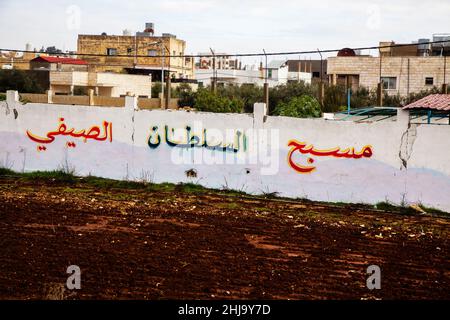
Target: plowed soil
x=140 y=244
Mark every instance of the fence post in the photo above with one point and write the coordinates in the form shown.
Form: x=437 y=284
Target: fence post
x=403 y=117
x=12 y=97
x=131 y=102
x=49 y=96
x=321 y=92
x=259 y=114
x=380 y=94
x=91 y=97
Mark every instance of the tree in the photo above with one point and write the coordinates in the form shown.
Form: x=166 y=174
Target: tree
x=156 y=89
x=19 y=80
x=282 y=94
x=185 y=95
x=300 y=107
x=208 y=101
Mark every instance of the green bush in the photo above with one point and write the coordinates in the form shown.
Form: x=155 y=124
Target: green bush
x=300 y=107
x=282 y=94
x=185 y=95
x=334 y=97
x=249 y=94
x=208 y=101
x=20 y=81
x=156 y=89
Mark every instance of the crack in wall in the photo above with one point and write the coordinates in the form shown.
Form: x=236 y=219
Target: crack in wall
x=407 y=144
x=133 y=125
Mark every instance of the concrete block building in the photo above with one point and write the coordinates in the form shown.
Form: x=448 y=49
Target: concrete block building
x=138 y=54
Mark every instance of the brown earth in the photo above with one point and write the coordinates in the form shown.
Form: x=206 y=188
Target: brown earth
x=164 y=244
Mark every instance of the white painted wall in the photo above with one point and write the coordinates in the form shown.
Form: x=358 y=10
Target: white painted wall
x=423 y=149
x=109 y=84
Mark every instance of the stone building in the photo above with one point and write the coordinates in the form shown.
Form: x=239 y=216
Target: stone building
x=400 y=75
x=138 y=54
x=403 y=70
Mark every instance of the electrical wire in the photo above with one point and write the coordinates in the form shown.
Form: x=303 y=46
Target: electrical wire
x=235 y=54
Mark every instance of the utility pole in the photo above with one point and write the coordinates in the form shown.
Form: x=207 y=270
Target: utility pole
x=266 y=84
x=162 y=74
x=214 y=82
x=444 y=85
x=168 y=82
x=380 y=85
x=321 y=84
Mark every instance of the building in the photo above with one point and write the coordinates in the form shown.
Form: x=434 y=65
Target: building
x=231 y=77
x=223 y=62
x=403 y=70
x=103 y=84
x=47 y=63
x=17 y=60
x=317 y=69
x=141 y=53
x=277 y=74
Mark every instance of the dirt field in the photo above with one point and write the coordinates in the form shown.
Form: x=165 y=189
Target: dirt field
x=169 y=242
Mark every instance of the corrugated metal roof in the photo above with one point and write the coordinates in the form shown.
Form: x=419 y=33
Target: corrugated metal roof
x=433 y=101
x=62 y=60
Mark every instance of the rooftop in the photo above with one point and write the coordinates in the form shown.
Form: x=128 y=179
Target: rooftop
x=433 y=101
x=62 y=60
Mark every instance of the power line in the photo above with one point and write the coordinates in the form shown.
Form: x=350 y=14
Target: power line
x=232 y=55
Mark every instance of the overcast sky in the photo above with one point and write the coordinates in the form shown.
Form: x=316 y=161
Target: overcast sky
x=228 y=26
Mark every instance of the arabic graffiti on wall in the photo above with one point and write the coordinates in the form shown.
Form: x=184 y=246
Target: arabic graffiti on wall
x=94 y=133
x=195 y=141
x=304 y=148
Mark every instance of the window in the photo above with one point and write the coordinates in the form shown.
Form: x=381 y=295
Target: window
x=316 y=74
x=111 y=51
x=269 y=73
x=151 y=53
x=174 y=53
x=129 y=50
x=429 y=81
x=389 y=83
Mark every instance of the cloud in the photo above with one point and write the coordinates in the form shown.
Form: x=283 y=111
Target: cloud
x=186 y=5
x=229 y=26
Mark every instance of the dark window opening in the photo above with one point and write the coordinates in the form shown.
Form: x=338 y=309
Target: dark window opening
x=429 y=81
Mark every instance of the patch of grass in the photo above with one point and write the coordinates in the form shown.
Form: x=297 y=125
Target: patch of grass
x=103 y=183
x=6 y=172
x=57 y=175
x=62 y=176
x=229 y=205
x=387 y=206
x=433 y=211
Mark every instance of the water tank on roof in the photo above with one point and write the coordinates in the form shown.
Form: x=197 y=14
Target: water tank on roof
x=150 y=28
x=127 y=32
x=346 y=52
x=441 y=37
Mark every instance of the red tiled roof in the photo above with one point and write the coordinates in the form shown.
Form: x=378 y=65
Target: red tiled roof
x=433 y=101
x=61 y=60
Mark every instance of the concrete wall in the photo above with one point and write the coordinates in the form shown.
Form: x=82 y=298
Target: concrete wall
x=409 y=71
x=108 y=84
x=350 y=162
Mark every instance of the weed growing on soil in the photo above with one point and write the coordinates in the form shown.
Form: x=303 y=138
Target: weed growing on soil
x=60 y=176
